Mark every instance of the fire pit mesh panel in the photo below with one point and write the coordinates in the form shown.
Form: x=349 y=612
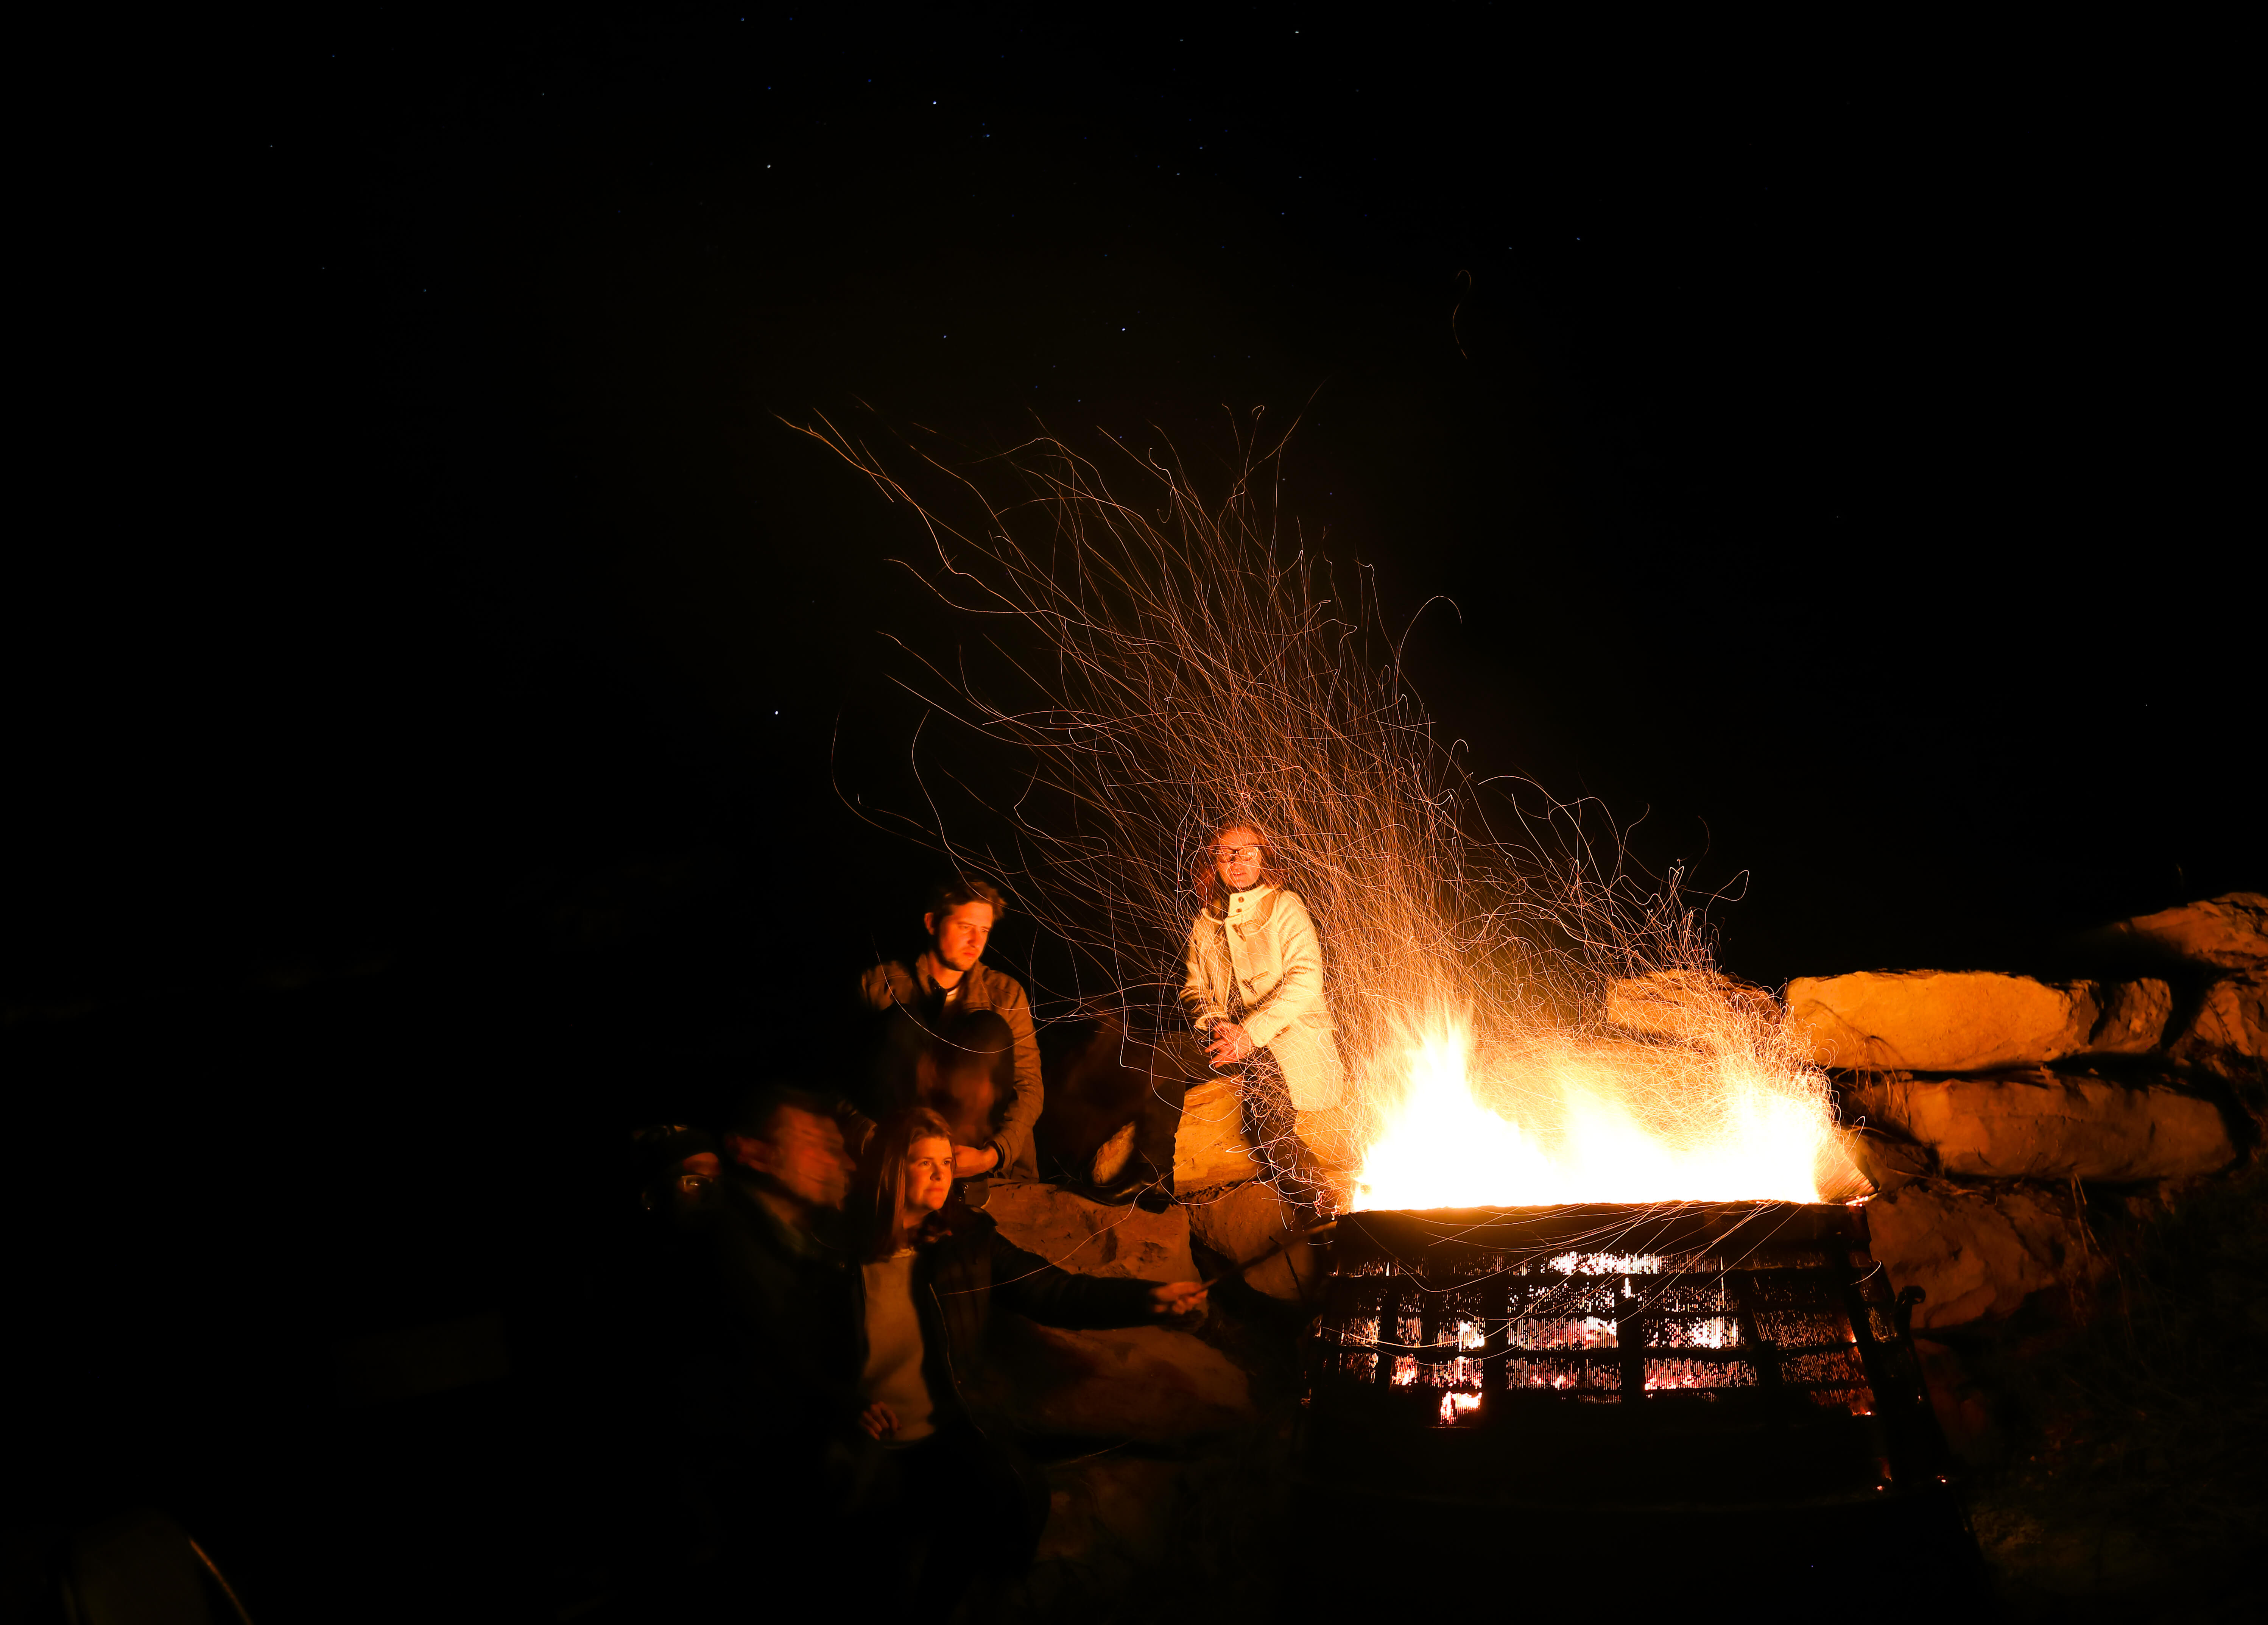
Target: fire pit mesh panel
x=1687 y=1305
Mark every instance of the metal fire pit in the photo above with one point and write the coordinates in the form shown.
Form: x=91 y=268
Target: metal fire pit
x=1701 y=1378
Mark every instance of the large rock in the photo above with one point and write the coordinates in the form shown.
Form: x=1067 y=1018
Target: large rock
x=1092 y=1238
x=1885 y=1161
x=1148 y=1383
x=1972 y=1021
x=1118 y=1506
x=1242 y=1224
x=1691 y=1007
x=1209 y=1147
x=2042 y=1124
x=2230 y=1026
x=1976 y=1252
x=2230 y=931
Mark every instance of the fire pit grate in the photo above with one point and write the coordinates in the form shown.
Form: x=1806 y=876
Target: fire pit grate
x=1709 y=1352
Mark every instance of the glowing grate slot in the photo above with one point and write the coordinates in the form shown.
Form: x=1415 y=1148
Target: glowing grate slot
x=1672 y=1375
x=1716 y=1332
x=1692 y=1297
x=1609 y=1263
x=1837 y=1365
x=1857 y=1401
x=1803 y=1328
x=1567 y=1377
x=1574 y=1332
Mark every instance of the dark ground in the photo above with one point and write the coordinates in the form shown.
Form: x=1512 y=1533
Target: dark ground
x=427 y=654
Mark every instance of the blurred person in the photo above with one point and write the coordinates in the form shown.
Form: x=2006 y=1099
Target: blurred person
x=772 y=1360
x=962 y=1502
x=929 y=1010
x=781 y=1268
x=1255 y=995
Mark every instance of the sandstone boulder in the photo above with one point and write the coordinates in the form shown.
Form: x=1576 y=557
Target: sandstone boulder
x=1886 y=1160
x=2230 y=931
x=1209 y=1145
x=2042 y=1124
x=1691 y=1007
x=1244 y=1223
x=1970 y=1021
x=1976 y=1252
x=2134 y=1017
x=2230 y=1026
x=1151 y=1384
x=1091 y=1238
x=1121 y=1506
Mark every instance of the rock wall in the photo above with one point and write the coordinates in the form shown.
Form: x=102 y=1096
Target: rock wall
x=1981 y=1102
x=1972 y=1021
x=2039 y=1124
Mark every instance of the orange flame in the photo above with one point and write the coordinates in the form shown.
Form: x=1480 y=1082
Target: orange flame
x=1563 y=1119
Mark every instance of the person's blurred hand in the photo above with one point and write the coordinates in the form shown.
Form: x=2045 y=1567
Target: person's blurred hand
x=878 y=1419
x=1230 y=1043
x=968 y=1161
x=1178 y=1297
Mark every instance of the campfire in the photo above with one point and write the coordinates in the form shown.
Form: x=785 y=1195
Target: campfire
x=1570 y=1226
x=1600 y=1269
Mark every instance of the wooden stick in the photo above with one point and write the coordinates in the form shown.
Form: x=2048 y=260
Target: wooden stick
x=1274 y=1247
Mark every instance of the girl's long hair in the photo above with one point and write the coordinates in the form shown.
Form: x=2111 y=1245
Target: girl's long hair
x=878 y=1199
x=1205 y=874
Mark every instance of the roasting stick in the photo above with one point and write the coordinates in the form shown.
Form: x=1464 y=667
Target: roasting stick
x=1274 y=1247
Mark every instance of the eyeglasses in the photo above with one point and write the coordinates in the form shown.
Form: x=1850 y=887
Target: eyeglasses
x=1237 y=854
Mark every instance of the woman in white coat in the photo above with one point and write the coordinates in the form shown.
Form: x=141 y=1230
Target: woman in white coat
x=1255 y=994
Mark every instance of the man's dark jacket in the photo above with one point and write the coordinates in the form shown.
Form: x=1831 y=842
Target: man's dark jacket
x=778 y=1352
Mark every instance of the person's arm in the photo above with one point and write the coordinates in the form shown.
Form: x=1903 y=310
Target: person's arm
x=1203 y=1005
x=1299 y=991
x=1038 y=1290
x=1014 y=1138
x=882 y=985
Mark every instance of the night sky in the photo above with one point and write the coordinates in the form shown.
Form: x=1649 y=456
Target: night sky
x=429 y=667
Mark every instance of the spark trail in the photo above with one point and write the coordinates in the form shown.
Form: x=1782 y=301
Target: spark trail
x=1156 y=664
